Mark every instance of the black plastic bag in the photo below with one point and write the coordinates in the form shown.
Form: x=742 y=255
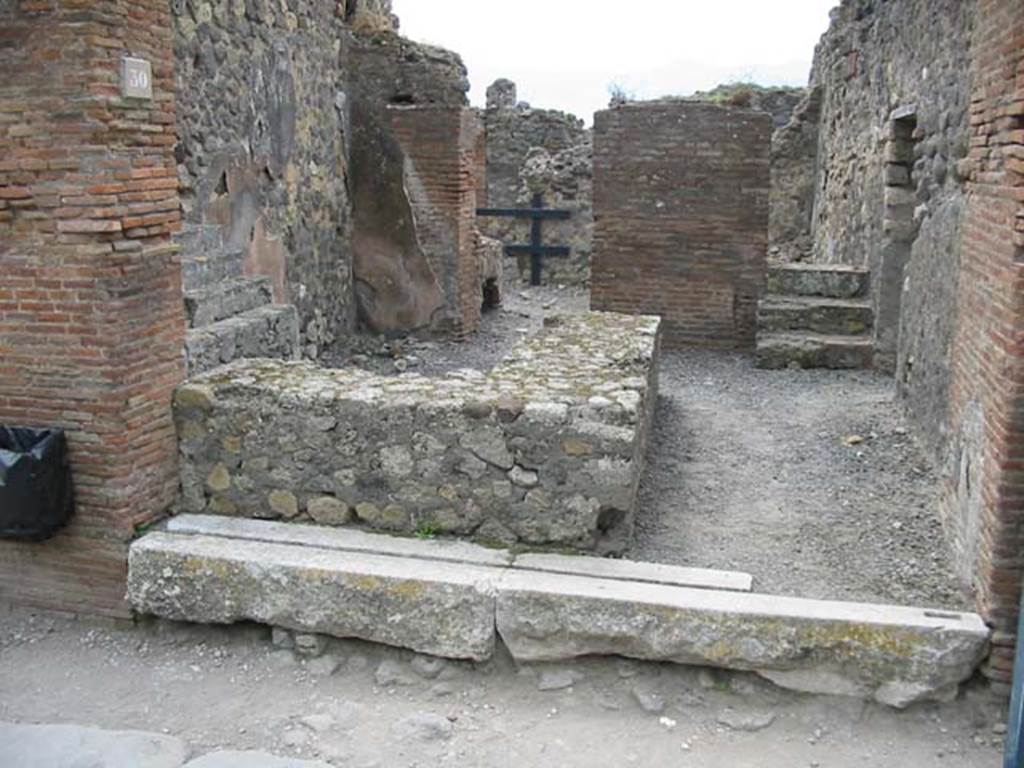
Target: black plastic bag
x=35 y=483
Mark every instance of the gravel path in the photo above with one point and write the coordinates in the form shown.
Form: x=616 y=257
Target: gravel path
x=808 y=480
x=364 y=706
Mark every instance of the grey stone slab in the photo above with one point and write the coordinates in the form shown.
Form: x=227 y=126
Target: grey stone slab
x=229 y=759
x=841 y=317
x=814 y=350
x=834 y=280
x=453 y=551
x=209 y=304
x=437 y=608
x=72 y=746
x=627 y=570
x=895 y=655
x=346 y=539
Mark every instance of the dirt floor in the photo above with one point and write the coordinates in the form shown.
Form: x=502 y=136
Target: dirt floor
x=371 y=707
x=808 y=480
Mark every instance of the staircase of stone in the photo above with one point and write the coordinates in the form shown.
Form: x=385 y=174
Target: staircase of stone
x=230 y=315
x=815 y=316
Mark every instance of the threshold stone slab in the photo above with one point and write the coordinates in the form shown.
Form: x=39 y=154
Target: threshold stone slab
x=628 y=570
x=348 y=539
x=70 y=746
x=432 y=607
x=454 y=551
x=895 y=655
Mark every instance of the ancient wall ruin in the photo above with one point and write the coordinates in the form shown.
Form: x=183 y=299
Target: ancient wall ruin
x=895 y=81
x=681 y=209
x=262 y=152
x=794 y=159
x=91 y=317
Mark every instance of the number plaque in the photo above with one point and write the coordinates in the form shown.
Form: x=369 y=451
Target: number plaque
x=136 y=78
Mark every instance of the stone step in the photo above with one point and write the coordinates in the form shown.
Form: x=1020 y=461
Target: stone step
x=219 y=301
x=839 y=317
x=814 y=350
x=271 y=331
x=455 y=609
x=837 y=281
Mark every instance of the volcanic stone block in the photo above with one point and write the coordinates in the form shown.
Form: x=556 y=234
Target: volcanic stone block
x=431 y=607
x=895 y=655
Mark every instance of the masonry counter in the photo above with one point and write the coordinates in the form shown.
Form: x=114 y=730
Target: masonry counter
x=547 y=449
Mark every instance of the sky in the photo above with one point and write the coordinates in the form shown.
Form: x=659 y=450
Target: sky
x=565 y=54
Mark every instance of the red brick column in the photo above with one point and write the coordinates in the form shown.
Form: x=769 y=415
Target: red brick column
x=983 y=501
x=441 y=146
x=91 y=317
x=681 y=218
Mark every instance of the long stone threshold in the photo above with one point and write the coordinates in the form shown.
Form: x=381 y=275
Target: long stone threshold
x=455 y=600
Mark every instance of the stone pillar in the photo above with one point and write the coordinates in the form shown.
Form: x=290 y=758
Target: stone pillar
x=91 y=314
x=681 y=210
x=441 y=150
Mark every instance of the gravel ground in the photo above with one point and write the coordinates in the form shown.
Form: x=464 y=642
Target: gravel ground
x=808 y=480
x=365 y=706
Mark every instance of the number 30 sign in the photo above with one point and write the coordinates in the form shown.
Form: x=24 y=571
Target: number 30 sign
x=136 y=78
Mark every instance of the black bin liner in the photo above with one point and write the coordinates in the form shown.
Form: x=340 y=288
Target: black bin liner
x=35 y=483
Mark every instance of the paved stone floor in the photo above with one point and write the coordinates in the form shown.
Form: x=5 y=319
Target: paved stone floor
x=367 y=706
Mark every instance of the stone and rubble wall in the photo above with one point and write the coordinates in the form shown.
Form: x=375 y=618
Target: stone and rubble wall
x=262 y=134
x=566 y=181
x=895 y=84
x=91 y=315
x=681 y=207
x=546 y=449
x=543 y=151
x=794 y=159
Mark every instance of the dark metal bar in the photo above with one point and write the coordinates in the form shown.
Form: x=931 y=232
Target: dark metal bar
x=537 y=214
x=536 y=242
x=545 y=250
x=1014 y=755
x=526 y=213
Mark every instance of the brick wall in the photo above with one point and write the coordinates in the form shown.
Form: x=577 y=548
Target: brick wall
x=91 y=317
x=441 y=146
x=681 y=210
x=983 y=501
